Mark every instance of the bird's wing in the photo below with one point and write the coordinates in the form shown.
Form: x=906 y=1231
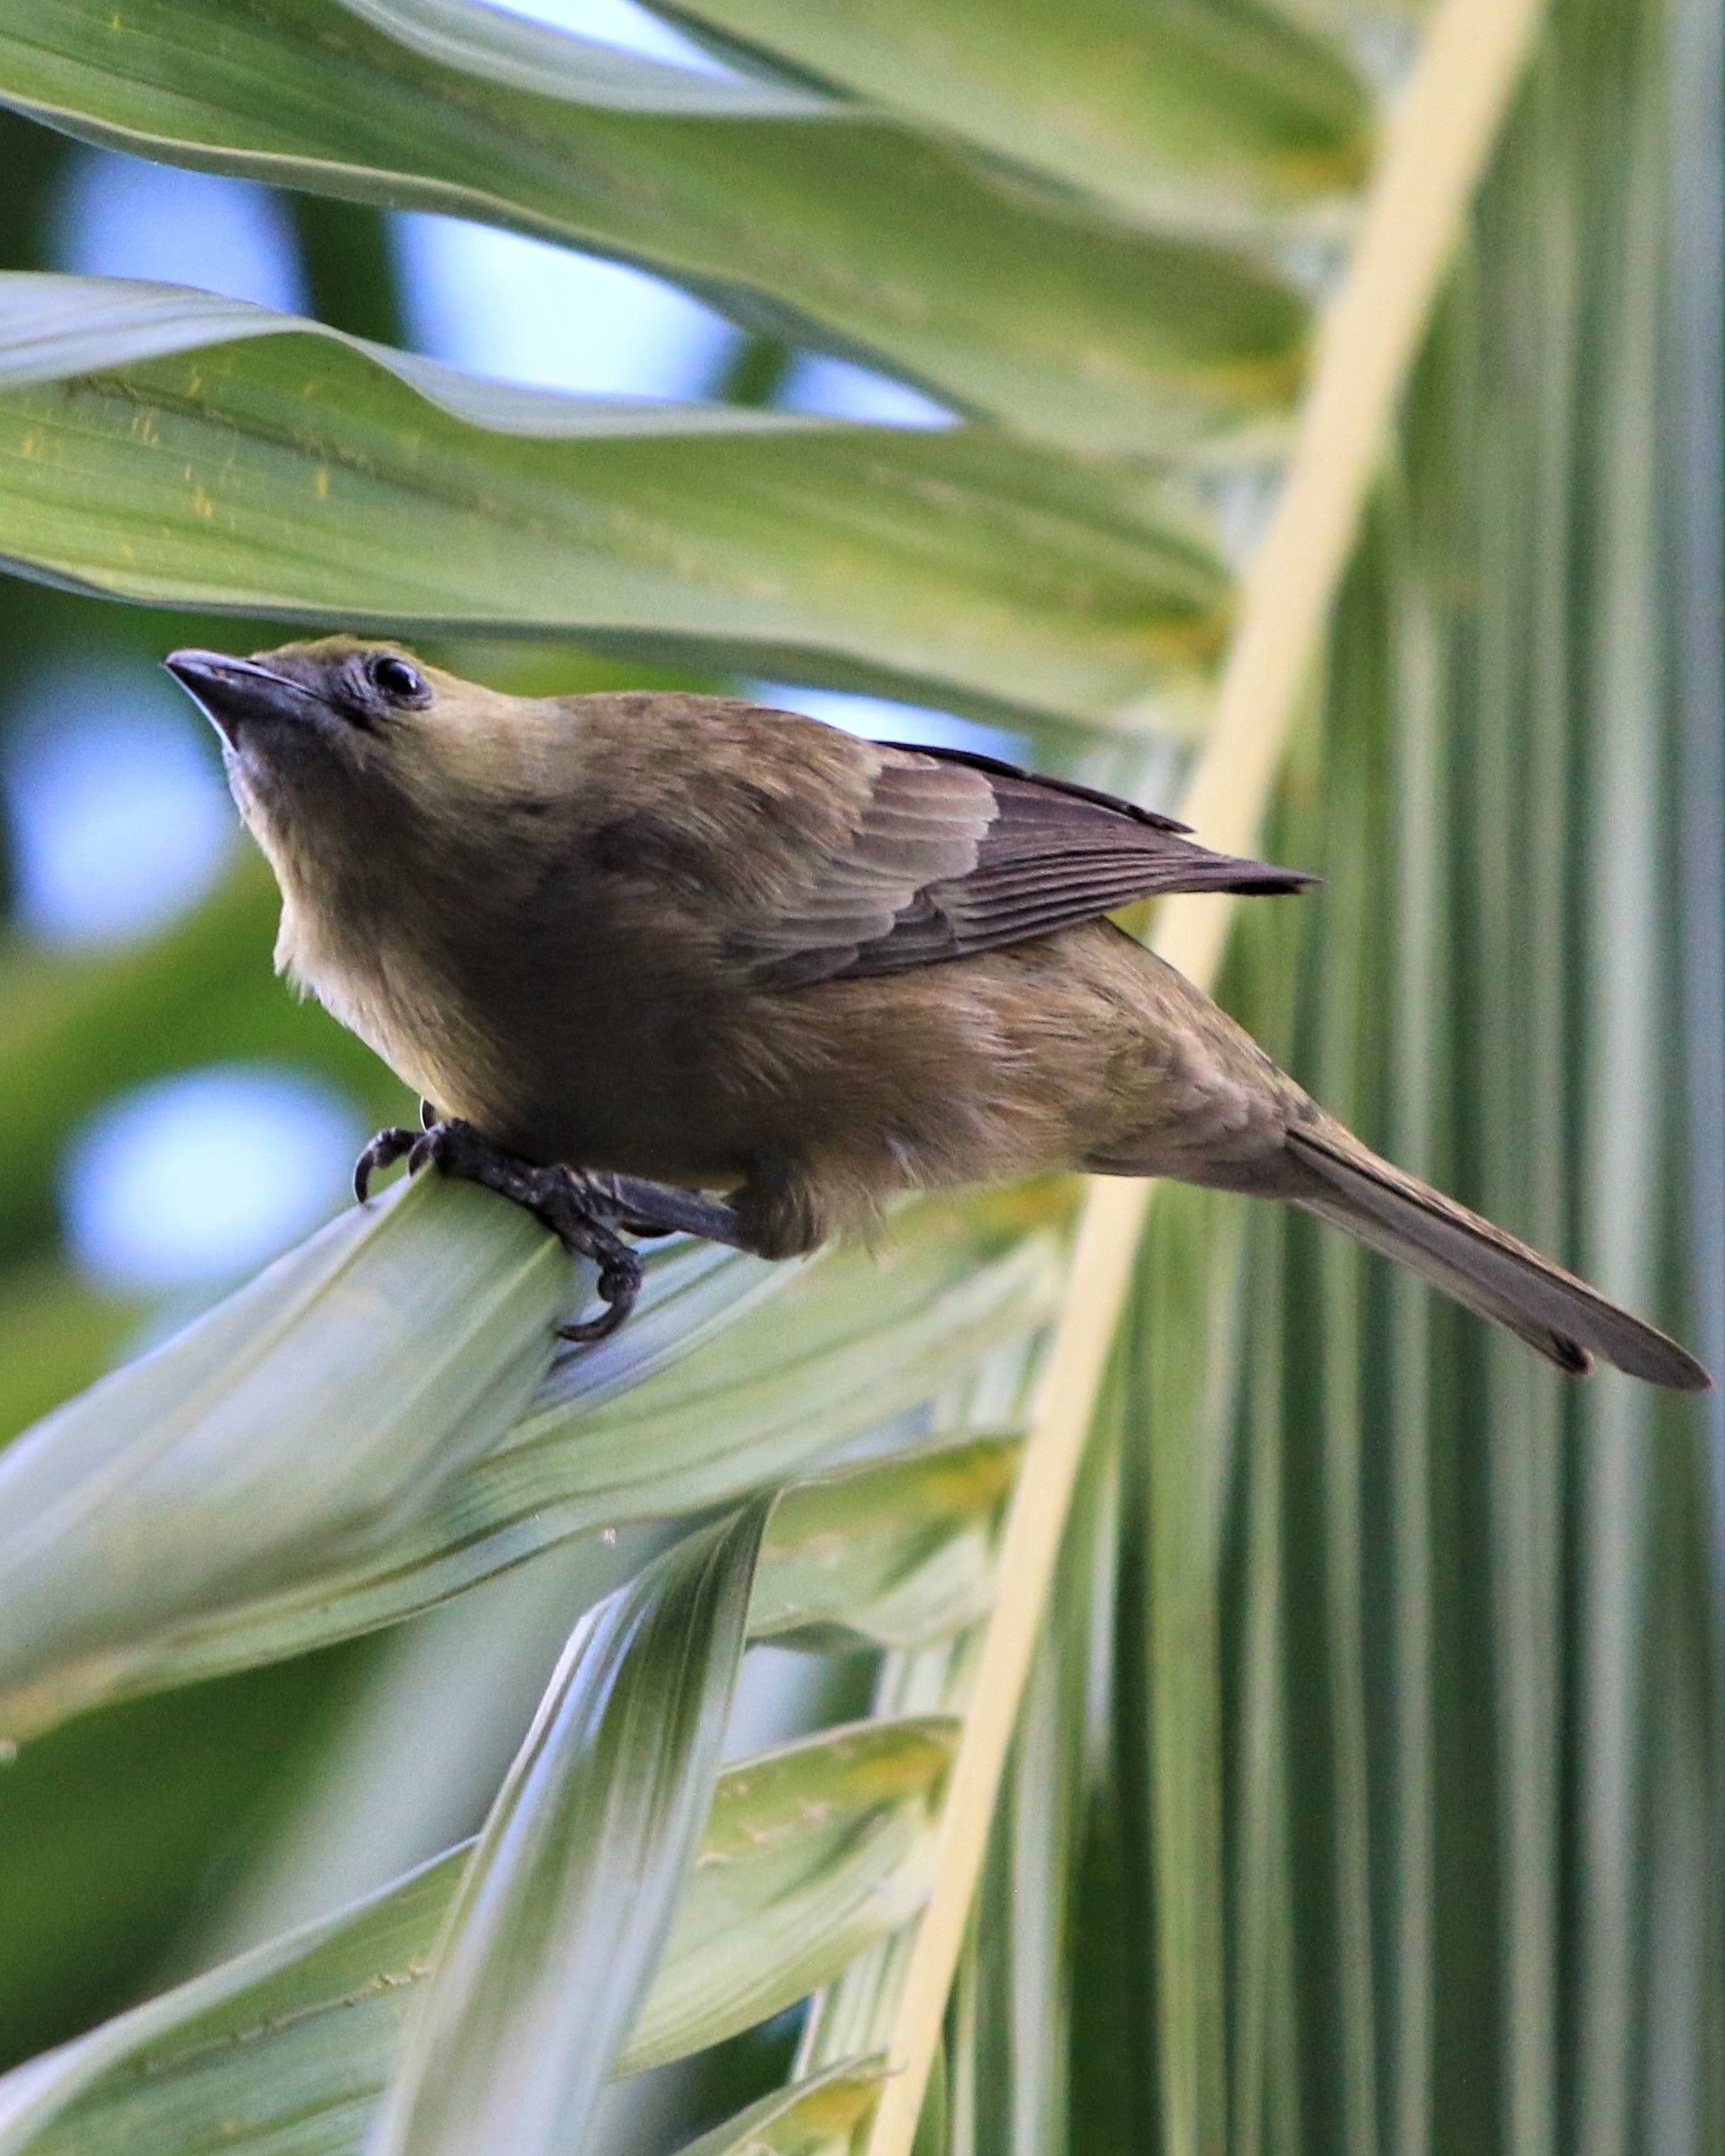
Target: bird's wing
x=949 y=853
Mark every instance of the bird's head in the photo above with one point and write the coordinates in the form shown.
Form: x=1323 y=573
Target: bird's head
x=346 y=744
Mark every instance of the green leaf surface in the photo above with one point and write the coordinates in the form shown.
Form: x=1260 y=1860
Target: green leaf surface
x=815 y=2117
x=299 y=1424
x=285 y=2050
x=1213 y=116
x=324 y=2007
x=116 y=1826
x=811 y=1854
x=1003 y=299
x=792 y=1361
x=504 y=49
x=164 y=445
x=892 y=1553
x=566 y=1898
x=1012 y=2035
x=1187 y=1382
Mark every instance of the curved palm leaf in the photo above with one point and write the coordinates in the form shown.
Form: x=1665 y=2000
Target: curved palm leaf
x=1223 y=117
x=565 y=1903
x=809 y=1854
x=103 y=1497
x=1005 y=299
x=165 y=445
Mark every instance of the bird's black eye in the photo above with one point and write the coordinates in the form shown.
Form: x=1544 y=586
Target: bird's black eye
x=395 y=679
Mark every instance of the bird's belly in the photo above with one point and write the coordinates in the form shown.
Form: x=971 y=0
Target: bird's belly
x=1076 y=1051
x=588 y=1078
x=625 y=1090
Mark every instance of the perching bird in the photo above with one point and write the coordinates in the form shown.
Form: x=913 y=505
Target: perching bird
x=728 y=949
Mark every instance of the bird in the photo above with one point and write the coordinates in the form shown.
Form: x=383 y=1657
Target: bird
x=660 y=962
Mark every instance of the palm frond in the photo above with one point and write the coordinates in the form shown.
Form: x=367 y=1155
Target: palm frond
x=997 y=293
x=1449 y=118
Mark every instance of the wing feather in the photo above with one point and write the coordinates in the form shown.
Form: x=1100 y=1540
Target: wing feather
x=953 y=853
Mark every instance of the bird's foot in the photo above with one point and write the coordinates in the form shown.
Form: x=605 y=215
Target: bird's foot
x=585 y=1211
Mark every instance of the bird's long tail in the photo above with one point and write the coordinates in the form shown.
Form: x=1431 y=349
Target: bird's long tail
x=1345 y=1183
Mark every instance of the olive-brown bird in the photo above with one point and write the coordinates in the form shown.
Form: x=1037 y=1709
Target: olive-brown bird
x=638 y=941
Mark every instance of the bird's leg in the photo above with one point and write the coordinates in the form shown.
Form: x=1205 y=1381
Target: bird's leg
x=647 y=1208
x=583 y=1210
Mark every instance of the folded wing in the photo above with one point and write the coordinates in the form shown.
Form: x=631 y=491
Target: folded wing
x=952 y=854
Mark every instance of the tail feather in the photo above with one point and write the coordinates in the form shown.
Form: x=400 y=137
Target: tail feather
x=1483 y=1268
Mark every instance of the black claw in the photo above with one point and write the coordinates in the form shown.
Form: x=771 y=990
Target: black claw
x=619 y=1283
x=383 y=1151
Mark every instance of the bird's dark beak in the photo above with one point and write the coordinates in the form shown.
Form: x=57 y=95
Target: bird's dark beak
x=230 y=691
